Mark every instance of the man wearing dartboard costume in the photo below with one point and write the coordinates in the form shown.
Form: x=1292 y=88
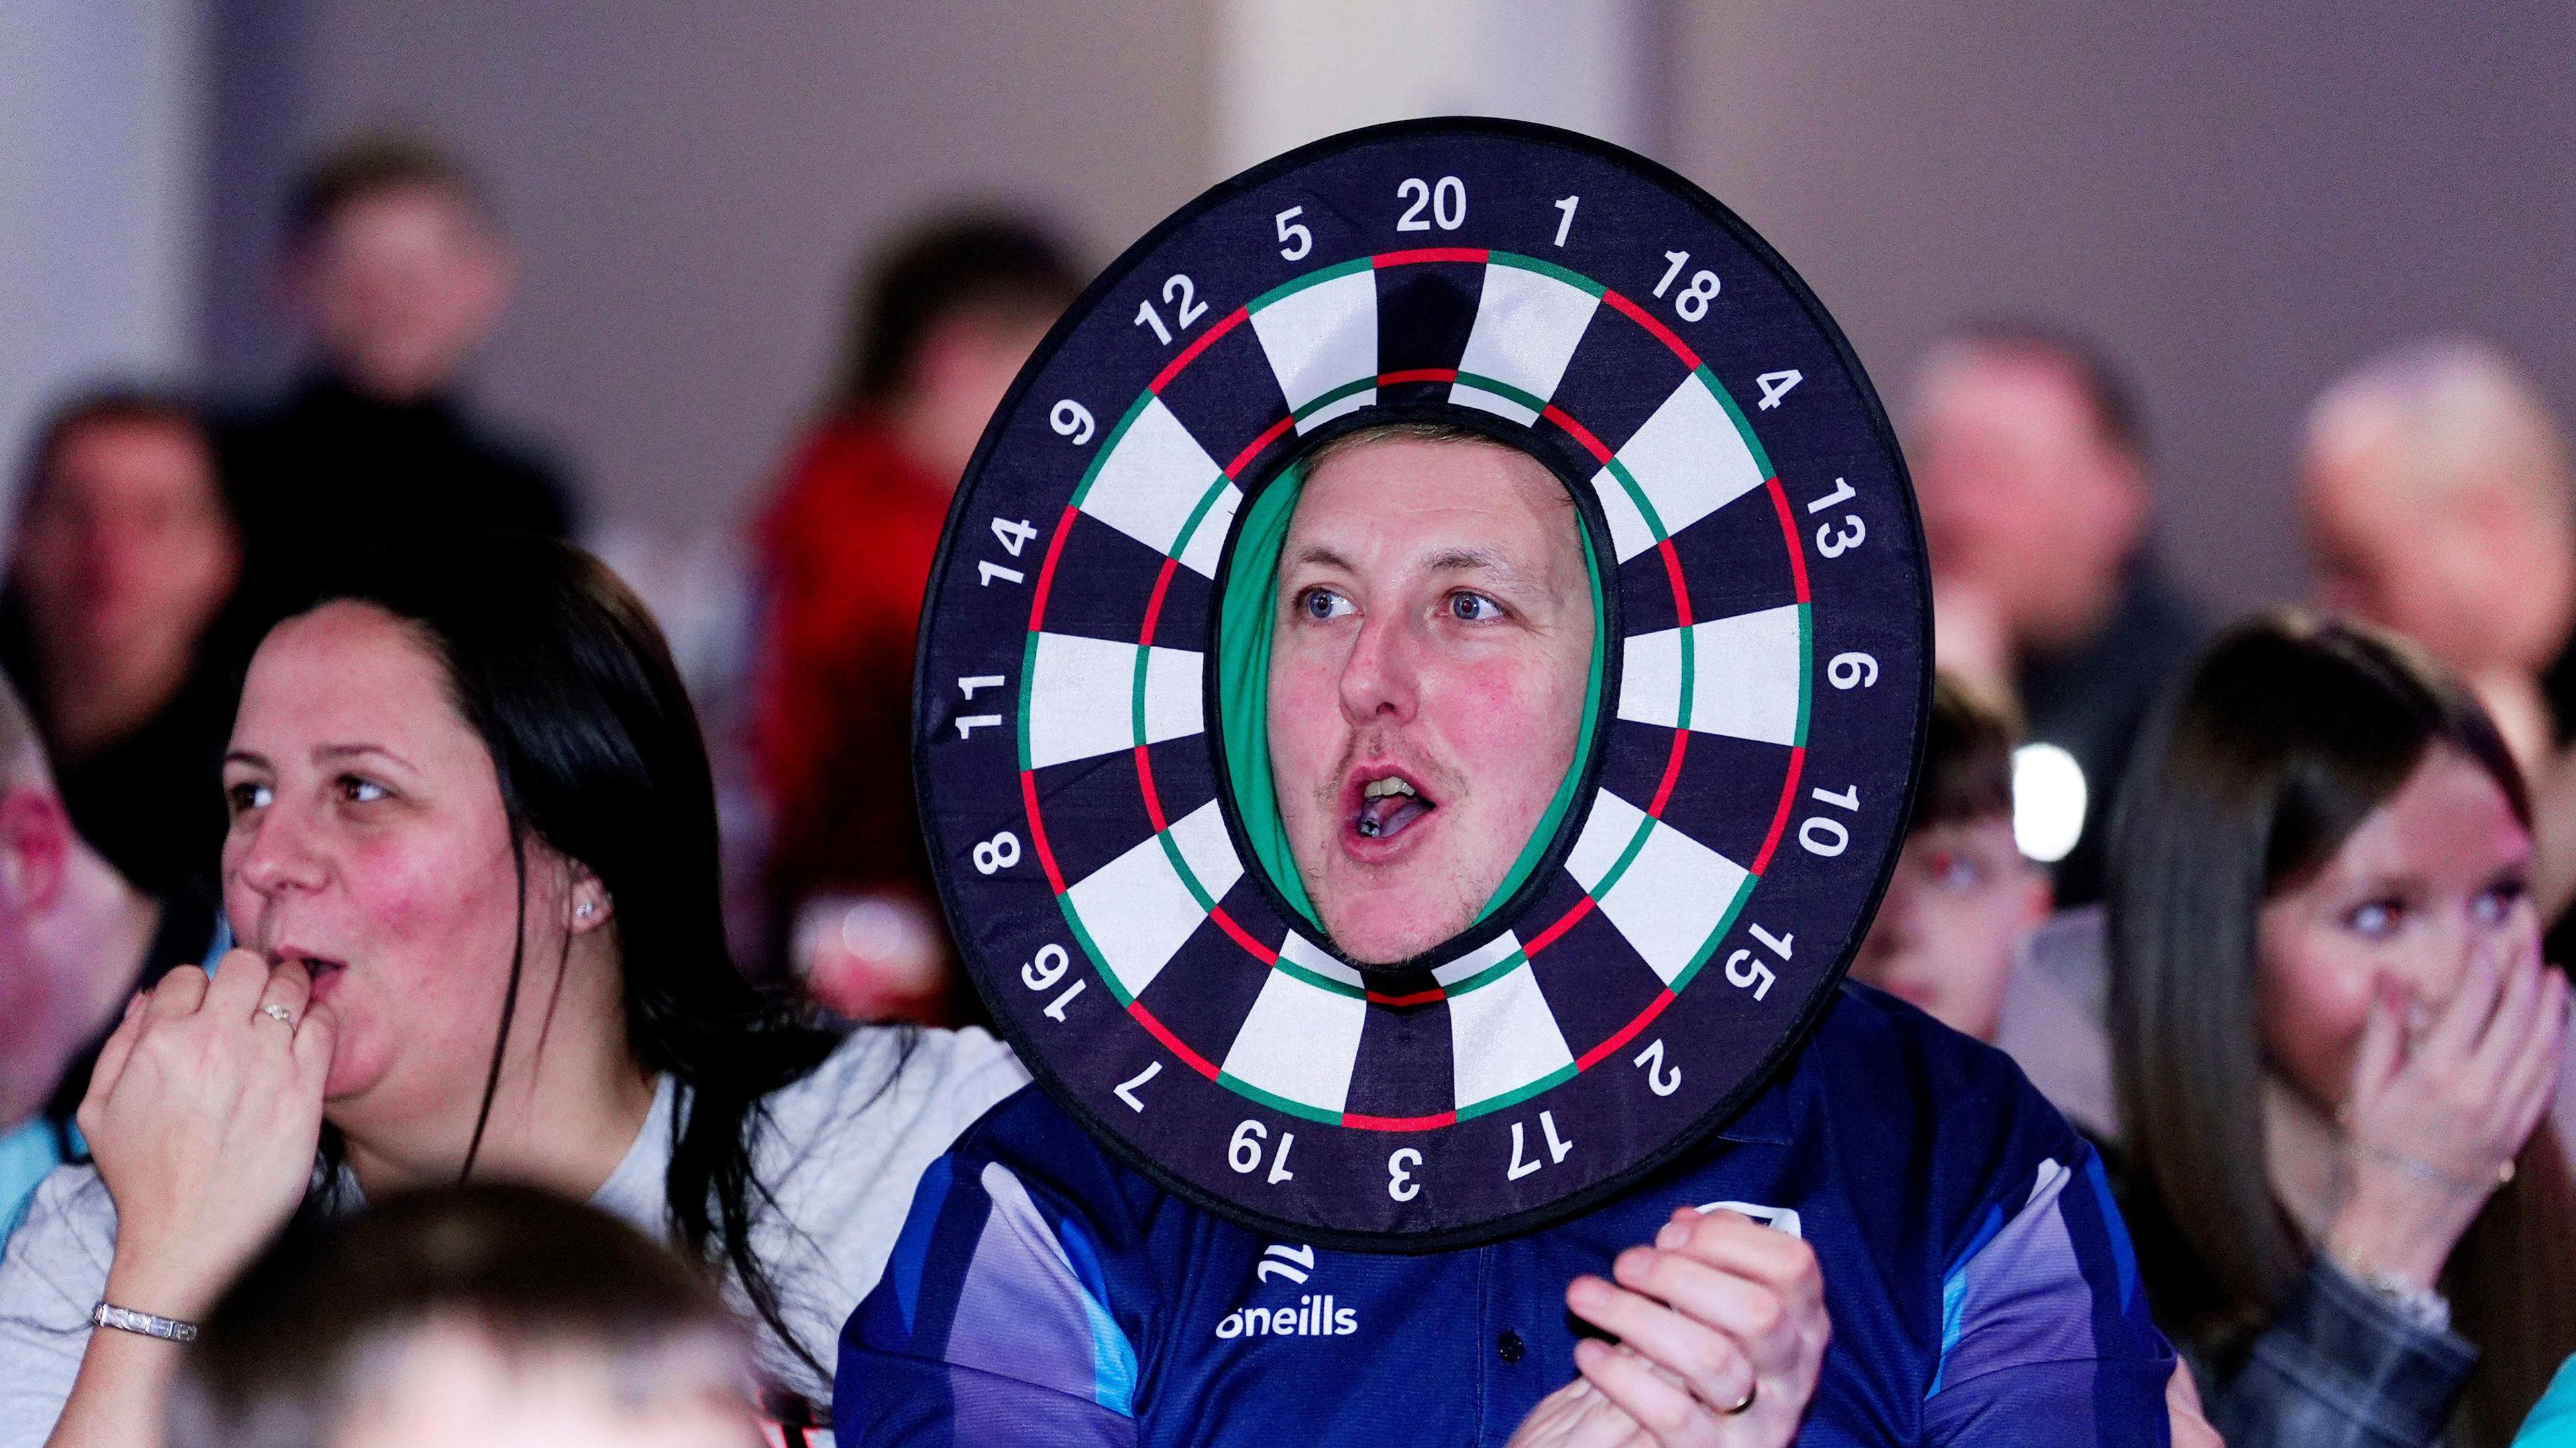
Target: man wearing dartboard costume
x=1339 y=795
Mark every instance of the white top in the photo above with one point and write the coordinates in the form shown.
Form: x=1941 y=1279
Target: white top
x=842 y=1152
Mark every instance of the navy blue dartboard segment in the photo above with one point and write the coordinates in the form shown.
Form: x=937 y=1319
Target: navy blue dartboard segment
x=1762 y=708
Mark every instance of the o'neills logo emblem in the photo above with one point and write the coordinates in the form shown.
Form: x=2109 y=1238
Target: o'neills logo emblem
x=1311 y=1317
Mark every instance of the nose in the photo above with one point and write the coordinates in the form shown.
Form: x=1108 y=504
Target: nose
x=2434 y=972
x=1381 y=678
x=281 y=857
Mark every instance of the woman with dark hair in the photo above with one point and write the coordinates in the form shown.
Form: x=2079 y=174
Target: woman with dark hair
x=473 y=858
x=2333 y=1041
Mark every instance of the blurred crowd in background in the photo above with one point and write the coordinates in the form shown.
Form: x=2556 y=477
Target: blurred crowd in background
x=159 y=534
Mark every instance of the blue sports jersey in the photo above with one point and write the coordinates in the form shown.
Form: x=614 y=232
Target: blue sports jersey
x=1979 y=1279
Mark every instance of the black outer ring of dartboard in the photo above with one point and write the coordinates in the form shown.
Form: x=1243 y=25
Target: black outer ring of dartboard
x=1820 y=998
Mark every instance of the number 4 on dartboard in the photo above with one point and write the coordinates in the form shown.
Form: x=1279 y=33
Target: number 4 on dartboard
x=1776 y=385
x=1014 y=533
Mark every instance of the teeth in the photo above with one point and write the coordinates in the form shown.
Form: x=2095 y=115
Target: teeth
x=1380 y=788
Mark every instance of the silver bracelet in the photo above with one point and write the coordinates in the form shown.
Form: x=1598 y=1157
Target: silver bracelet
x=126 y=1319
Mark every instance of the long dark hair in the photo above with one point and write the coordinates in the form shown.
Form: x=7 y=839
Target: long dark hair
x=2279 y=741
x=561 y=672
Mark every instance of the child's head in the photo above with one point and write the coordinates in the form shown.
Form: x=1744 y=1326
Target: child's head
x=400 y=269
x=1962 y=896
x=479 y=1314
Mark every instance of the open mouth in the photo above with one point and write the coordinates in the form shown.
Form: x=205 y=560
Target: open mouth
x=326 y=973
x=1389 y=805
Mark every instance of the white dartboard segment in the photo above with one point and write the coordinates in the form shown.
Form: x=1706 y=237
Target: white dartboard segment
x=1688 y=460
x=1154 y=480
x=1672 y=893
x=1504 y=1038
x=1746 y=674
x=1081 y=697
x=1301 y=1040
x=1322 y=338
x=1139 y=910
x=1527 y=325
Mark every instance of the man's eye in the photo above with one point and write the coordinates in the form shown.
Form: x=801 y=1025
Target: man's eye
x=2377 y=920
x=247 y=796
x=1957 y=872
x=1323 y=603
x=361 y=791
x=1473 y=608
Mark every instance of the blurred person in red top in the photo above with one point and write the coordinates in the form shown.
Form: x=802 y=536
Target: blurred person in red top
x=939 y=327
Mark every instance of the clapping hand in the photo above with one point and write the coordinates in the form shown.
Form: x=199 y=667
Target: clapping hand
x=1722 y=1330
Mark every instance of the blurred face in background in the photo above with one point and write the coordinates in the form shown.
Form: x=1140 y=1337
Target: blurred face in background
x=125 y=555
x=2031 y=510
x=2428 y=879
x=1427 y=672
x=449 y=1384
x=1954 y=914
x=965 y=363
x=401 y=286
x=2466 y=558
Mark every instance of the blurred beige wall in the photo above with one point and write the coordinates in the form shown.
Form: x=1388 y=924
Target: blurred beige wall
x=100 y=118
x=689 y=181
x=2237 y=200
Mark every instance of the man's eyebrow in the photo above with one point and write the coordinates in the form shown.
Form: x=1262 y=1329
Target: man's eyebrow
x=1317 y=553
x=1456 y=558
x=252 y=758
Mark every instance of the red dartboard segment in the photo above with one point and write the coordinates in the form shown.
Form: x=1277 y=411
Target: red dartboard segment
x=1654 y=324
x=1191 y=353
x=1418 y=374
x=1400 y=1123
x=1474 y=255
x=1780 y=817
x=1625 y=1034
x=1172 y=1043
x=1046 y=573
x=1789 y=530
x=1037 y=831
x=1253 y=449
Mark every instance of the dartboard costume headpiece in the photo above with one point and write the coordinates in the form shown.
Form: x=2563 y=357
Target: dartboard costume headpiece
x=1757 y=697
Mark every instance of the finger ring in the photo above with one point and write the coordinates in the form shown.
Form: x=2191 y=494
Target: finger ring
x=1750 y=1389
x=278 y=1013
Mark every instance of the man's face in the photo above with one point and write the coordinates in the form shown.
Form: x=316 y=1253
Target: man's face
x=129 y=548
x=401 y=287
x=2454 y=568
x=1433 y=640
x=1956 y=909
x=2011 y=466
